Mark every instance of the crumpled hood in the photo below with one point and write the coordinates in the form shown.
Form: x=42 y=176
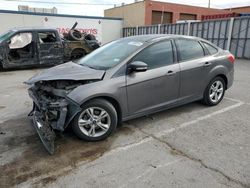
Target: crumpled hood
x=67 y=71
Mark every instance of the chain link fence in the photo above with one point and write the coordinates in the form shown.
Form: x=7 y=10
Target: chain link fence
x=232 y=34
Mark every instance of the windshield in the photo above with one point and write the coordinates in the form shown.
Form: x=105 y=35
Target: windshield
x=6 y=35
x=110 y=54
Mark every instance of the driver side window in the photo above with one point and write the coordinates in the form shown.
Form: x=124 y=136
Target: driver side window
x=20 y=40
x=21 y=47
x=156 y=55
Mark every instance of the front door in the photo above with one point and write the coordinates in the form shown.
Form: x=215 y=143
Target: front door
x=50 y=47
x=21 y=50
x=159 y=85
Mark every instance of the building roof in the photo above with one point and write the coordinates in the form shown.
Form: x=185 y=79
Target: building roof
x=58 y=15
x=237 y=7
x=166 y=3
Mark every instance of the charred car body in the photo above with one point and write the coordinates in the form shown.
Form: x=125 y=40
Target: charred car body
x=27 y=47
x=125 y=79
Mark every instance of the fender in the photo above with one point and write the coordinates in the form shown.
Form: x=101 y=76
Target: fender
x=217 y=70
x=86 y=92
x=3 y=55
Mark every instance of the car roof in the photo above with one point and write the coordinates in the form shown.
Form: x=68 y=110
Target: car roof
x=156 y=37
x=23 y=29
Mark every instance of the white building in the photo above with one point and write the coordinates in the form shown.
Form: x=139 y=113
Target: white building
x=105 y=29
x=34 y=9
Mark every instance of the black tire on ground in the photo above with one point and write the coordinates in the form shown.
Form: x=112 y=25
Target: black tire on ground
x=206 y=97
x=75 y=35
x=1 y=66
x=90 y=37
x=99 y=103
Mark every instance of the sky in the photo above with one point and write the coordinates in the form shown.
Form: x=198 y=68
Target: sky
x=90 y=7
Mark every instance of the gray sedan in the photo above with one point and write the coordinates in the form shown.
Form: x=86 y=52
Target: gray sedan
x=125 y=79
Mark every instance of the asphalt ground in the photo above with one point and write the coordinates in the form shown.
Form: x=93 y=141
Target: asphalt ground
x=189 y=146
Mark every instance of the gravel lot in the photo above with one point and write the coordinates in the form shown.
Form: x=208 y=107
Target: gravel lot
x=188 y=146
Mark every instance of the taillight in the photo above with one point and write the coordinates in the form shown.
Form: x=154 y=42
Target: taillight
x=231 y=58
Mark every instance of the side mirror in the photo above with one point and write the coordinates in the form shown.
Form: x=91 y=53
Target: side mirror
x=8 y=41
x=138 y=66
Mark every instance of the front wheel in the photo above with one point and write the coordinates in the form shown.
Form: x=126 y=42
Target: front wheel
x=96 y=121
x=214 y=92
x=1 y=66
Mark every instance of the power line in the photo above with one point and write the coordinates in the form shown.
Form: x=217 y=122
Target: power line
x=61 y=3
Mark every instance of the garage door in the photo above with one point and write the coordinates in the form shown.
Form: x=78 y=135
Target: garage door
x=157 y=15
x=187 y=16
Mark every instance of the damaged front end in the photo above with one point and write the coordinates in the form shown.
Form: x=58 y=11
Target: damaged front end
x=49 y=90
x=52 y=109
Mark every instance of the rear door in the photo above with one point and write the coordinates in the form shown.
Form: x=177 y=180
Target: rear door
x=50 y=47
x=159 y=85
x=194 y=68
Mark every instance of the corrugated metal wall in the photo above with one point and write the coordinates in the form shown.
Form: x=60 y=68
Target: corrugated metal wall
x=232 y=33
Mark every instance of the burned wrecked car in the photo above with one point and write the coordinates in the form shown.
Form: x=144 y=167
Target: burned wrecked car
x=28 y=47
x=125 y=79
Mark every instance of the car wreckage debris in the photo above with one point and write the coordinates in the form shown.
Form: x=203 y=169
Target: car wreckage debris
x=45 y=132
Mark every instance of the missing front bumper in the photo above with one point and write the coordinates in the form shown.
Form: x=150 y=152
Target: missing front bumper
x=45 y=132
x=48 y=116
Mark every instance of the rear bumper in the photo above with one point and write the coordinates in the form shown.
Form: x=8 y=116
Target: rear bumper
x=230 y=78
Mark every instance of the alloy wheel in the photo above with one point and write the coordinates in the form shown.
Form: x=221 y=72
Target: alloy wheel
x=94 y=121
x=216 y=91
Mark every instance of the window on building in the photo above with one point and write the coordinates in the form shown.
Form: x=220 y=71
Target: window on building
x=159 y=17
x=156 y=55
x=212 y=50
x=47 y=37
x=184 y=16
x=189 y=49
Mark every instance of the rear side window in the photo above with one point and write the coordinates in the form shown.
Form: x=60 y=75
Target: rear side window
x=47 y=37
x=212 y=50
x=189 y=49
x=156 y=55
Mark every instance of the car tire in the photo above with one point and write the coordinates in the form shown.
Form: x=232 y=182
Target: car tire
x=214 y=92
x=90 y=37
x=75 y=35
x=88 y=125
x=1 y=66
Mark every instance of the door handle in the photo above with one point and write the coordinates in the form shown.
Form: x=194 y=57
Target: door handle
x=170 y=73
x=206 y=64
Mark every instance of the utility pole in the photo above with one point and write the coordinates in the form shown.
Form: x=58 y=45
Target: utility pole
x=162 y=15
x=208 y=3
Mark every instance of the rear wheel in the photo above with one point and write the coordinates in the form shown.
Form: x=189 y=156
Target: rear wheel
x=214 y=92
x=77 y=53
x=1 y=66
x=96 y=121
